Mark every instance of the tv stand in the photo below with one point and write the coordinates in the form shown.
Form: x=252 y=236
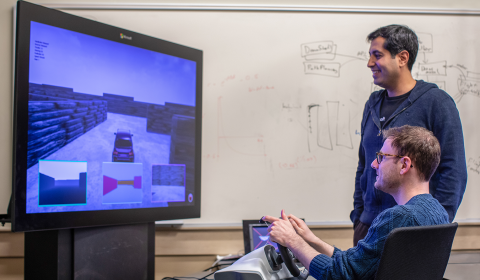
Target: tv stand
x=109 y=252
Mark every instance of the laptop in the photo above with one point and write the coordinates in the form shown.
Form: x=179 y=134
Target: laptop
x=255 y=235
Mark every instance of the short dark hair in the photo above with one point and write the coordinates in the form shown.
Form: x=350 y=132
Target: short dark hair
x=419 y=144
x=398 y=38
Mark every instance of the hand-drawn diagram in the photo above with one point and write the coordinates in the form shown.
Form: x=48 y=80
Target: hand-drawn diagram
x=433 y=68
x=322 y=119
x=327 y=123
x=425 y=42
x=319 y=58
x=431 y=71
x=469 y=84
x=474 y=165
x=436 y=72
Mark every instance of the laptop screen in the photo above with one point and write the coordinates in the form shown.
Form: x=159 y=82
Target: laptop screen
x=256 y=235
x=259 y=236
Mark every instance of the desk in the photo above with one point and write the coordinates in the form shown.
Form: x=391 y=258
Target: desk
x=203 y=274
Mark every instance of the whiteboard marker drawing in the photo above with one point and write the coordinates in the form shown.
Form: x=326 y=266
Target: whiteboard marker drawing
x=322 y=119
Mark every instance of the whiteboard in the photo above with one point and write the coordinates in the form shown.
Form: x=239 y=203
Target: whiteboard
x=283 y=99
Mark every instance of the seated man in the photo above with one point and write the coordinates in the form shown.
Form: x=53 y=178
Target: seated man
x=404 y=166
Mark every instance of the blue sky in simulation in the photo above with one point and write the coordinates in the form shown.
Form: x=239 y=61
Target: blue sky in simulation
x=95 y=66
x=62 y=170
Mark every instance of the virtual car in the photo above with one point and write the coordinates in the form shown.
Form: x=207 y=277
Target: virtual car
x=123 y=146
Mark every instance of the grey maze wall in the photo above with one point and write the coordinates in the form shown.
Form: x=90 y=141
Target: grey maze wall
x=182 y=146
x=168 y=175
x=58 y=116
x=159 y=118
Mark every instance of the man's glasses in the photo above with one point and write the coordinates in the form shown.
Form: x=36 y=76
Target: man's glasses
x=380 y=156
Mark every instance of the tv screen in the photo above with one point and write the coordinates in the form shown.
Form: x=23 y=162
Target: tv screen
x=107 y=124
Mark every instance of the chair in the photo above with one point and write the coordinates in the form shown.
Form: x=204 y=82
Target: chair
x=416 y=252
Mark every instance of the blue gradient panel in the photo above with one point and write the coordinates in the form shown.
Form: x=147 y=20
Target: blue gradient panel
x=82 y=67
x=62 y=183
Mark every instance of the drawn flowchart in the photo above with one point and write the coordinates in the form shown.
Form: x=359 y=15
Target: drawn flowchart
x=321 y=58
x=327 y=123
x=432 y=71
x=468 y=84
x=436 y=72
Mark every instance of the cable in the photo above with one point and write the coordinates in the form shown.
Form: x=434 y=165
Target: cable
x=204 y=277
x=180 y=278
x=218 y=265
x=224 y=261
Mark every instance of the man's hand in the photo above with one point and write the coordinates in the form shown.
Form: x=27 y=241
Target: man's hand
x=302 y=229
x=281 y=230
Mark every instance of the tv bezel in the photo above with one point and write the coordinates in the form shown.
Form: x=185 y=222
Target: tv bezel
x=22 y=221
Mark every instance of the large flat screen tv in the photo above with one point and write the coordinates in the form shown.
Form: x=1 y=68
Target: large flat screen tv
x=107 y=124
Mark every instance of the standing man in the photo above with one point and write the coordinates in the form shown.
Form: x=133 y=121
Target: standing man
x=404 y=100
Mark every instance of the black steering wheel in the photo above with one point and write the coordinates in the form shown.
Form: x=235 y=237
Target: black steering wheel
x=287 y=257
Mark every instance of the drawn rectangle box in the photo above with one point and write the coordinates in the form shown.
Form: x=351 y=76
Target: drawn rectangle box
x=433 y=69
x=472 y=75
x=425 y=42
x=469 y=86
x=323 y=50
x=168 y=182
x=331 y=69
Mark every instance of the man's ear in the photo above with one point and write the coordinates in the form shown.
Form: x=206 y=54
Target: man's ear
x=403 y=57
x=406 y=165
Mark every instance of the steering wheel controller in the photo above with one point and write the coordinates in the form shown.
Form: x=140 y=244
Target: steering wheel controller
x=286 y=256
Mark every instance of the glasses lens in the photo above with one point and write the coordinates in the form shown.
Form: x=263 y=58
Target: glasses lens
x=379 y=158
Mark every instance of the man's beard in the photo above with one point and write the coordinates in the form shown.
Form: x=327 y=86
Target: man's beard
x=388 y=181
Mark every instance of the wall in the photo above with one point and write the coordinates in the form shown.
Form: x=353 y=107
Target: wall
x=275 y=129
x=6 y=50
x=159 y=118
x=182 y=251
x=186 y=250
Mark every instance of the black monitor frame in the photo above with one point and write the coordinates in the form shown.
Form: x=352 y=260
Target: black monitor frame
x=247 y=235
x=21 y=221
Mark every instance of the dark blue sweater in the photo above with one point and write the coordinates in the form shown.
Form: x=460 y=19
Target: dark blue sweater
x=428 y=107
x=361 y=261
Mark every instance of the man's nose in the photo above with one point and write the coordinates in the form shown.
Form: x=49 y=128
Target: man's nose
x=374 y=164
x=370 y=62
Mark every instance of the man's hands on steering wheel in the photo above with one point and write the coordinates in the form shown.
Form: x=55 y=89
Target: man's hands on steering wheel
x=281 y=230
x=302 y=229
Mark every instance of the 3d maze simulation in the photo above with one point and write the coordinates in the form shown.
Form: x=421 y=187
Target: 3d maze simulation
x=111 y=126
